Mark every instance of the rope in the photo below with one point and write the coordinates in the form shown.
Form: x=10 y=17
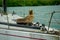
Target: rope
x=56 y=21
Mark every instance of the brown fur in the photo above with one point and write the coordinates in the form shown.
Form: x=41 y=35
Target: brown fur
x=27 y=19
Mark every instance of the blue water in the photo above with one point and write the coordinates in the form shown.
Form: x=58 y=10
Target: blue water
x=41 y=14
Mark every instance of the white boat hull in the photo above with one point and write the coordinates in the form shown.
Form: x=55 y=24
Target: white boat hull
x=6 y=34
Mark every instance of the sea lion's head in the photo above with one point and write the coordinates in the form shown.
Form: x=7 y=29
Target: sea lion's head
x=30 y=12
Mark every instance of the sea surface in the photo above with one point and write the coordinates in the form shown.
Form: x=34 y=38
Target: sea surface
x=42 y=14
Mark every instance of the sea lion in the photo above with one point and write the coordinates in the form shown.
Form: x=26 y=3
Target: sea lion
x=28 y=19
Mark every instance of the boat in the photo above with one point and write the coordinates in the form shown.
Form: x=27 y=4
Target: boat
x=11 y=30
x=23 y=31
